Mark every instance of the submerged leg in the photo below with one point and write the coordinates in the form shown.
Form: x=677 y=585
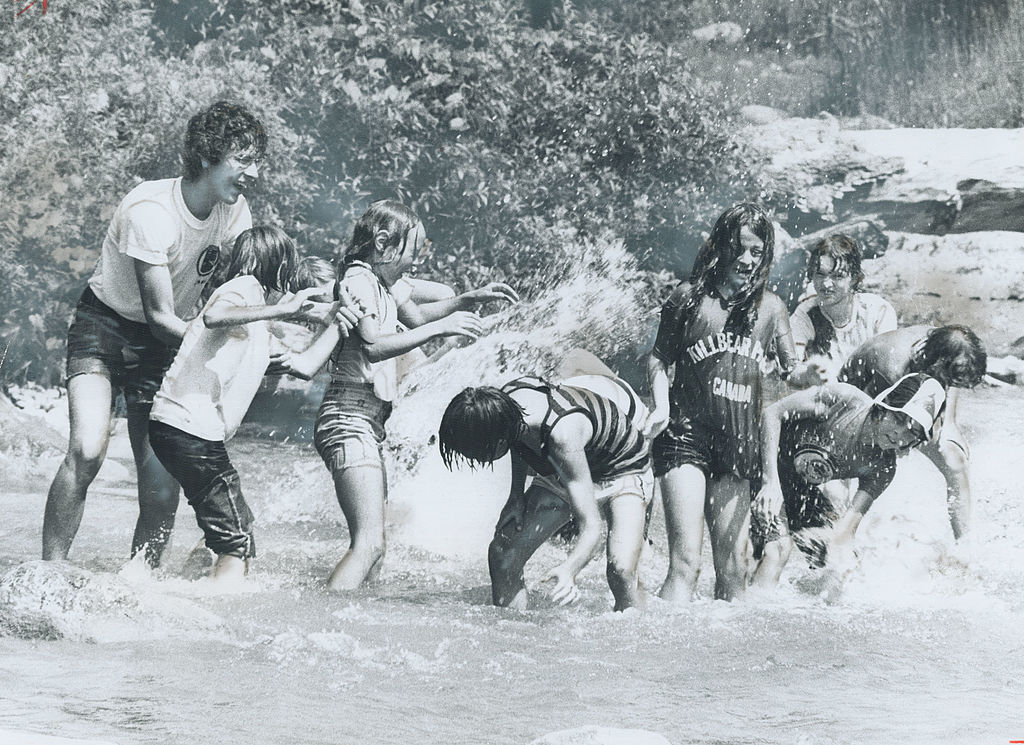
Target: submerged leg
x=627 y=515
x=158 y=491
x=513 y=546
x=728 y=512
x=89 y=398
x=683 y=493
x=362 y=494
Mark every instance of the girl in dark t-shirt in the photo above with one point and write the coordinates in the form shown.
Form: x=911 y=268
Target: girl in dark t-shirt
x=721 y=332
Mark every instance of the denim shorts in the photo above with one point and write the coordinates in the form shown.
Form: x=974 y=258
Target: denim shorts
x=211 y=486
x=349 y=430
x=125 y=352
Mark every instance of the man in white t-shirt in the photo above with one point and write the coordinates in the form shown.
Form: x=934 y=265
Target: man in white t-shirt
x=160 y=251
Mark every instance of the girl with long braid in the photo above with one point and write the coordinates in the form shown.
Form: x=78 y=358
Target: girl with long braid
x=721 y=331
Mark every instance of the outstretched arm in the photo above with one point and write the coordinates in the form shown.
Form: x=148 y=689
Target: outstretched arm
x=515 y=507
x=846 y=526
x=383 y=346
x=952 y=460
x=414 y=314
x=222 y=314
x=786 y=352
x=869 y=486
x=306 y=364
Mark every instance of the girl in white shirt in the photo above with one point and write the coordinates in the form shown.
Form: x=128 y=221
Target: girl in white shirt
x=214 y=377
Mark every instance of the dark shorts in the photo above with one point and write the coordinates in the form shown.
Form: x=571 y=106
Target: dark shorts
x=211 y=486
x=804 y=505
x=126 y=352
x=692 y=442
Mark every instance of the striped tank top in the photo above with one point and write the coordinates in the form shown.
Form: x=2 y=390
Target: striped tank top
x=615 y=448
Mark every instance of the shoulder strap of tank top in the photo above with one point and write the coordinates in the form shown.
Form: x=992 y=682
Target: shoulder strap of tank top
x=556 y=408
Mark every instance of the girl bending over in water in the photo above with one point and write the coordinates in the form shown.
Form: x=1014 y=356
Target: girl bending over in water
x=349 y=432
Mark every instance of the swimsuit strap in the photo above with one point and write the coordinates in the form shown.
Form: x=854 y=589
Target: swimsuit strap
x=558 y=404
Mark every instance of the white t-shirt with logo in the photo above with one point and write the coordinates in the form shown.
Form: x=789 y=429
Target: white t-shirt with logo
x=217 y=371
x=872 y=315
x=152 y=224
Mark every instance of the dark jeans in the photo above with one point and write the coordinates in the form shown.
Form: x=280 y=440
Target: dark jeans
x=126 y=352
x=211 y=486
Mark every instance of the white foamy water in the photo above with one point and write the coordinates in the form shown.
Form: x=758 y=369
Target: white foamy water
x=921 y=642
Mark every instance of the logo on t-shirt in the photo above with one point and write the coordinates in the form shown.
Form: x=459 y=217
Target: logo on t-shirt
x=728 y=342
x=208 y=260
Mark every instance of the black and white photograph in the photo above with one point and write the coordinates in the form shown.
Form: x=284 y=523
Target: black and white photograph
x=523 y=372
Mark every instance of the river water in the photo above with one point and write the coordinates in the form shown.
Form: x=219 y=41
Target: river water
x=921 y=642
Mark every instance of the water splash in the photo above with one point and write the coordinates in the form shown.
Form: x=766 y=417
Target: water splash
x=598 y=306
x=57 y=600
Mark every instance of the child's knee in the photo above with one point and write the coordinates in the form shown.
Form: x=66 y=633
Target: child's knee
x=777 y=551
x=85 y=460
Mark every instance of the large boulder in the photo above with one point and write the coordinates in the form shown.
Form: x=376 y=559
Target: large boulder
x=911 y=180
x=26 y=435
x=818 y=164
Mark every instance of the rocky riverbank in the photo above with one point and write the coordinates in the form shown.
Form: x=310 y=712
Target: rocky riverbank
x=940 y=213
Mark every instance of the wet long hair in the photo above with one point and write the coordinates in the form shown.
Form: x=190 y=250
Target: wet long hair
x=847 y=257
x=943 y=345
x=479 y=426
x=267 y=253
x=218 y=130
x=392 y=218
x=717 y=255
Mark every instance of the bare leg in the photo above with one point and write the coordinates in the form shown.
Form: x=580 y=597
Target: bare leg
x=728 y=513
x=773 y=559
x=158 y=492
x=683 y=491
x=951 y=460
x=510 y=548
x=229 y=569
x=89 y=398
x=626 y=517
x=199 y=562
x=362 y=492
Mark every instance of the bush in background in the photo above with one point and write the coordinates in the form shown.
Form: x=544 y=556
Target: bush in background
x=88 y=112
x=514 y=144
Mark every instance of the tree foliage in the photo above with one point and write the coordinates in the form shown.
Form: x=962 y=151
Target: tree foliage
x=513 y=143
